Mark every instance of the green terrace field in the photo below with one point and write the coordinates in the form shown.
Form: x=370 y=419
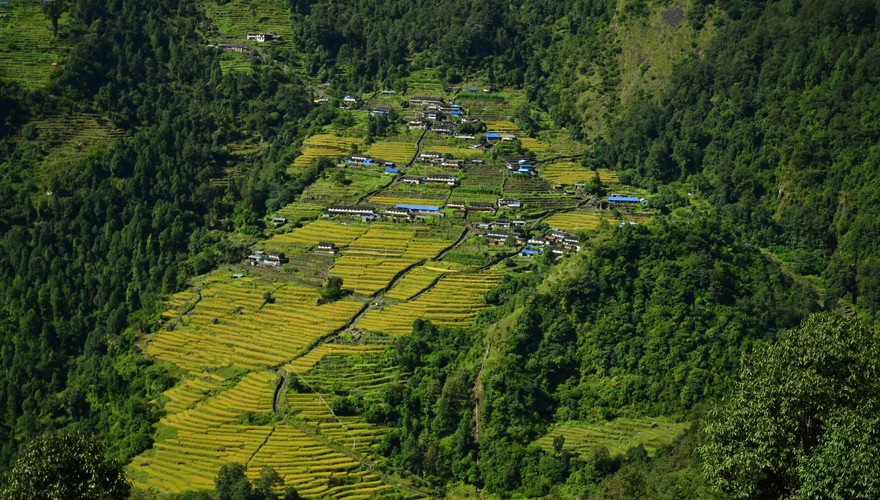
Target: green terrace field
x=492 y=105
x=369 y=263
x=27 y=47
x=591 y=219
x=399 y=152
x=235 y=19
x=356 y=182
x=68 y=139
x=427 y=196
x=617 y=435
x=324 y=145
x=309 y=235
x=454 y=300
x=569 y=172
x=233 y=325
x=299 y=211
x=524 y=184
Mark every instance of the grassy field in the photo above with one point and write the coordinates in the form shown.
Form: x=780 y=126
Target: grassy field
x=28 y=49
x=617 y=435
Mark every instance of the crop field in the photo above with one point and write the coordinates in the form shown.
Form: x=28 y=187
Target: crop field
x=233 y=324
x=490 y=106
x=27 y=48
x=454 y=301
x=303 y=364
x=324 y=145
x=550 y=201
x=575 y=221
x=68 y=139
x=298 y=211
x=572 y=173
x=235 y=19
x=521 y=184
x=200 y=439
x=399 y=152
x=359 y=373
x=370 y=262
x=311 y=234
x=586 y=220
x=308 y=464
x=617 y=435
x=414 y=282
x=235 y=62
x=475 y=194
x=391 y=199
x=358 y=182
x=485 y=176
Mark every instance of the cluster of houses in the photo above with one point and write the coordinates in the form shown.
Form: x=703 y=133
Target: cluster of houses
x=449 y=180
x=366 y=161
x=400 y=211
x=438 y=159
x=623 y=199
x=555 y=241
x=271 y=259
x=521 y=167
x=262 y=37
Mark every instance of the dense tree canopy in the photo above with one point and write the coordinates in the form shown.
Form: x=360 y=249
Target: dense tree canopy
x=802 y=422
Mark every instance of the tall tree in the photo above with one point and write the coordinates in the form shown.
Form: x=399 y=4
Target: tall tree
x=802 y=422
x=65 y=464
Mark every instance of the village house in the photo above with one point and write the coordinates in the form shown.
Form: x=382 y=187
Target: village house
x=509 y=203
x=349 y=100
x=502 y=223
x=452 y=163
x=278 y=221
x=417 y=125
x=380 y=111
x=411 y=179
x=429 y=155
x=446 y=179
x=358 y=211
x=425 y=101
x=327 y=247
x=623 y=199
x=479 y=206
x=529 y=252
x=262 y=37
x=456 y=204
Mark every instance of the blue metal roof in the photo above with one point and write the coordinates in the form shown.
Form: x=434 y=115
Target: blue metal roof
x=472 y=89
x=455 y=112
x=390 y=170
x=422 y=208
x=625 y=199
x=526 y=251
x=492 y=135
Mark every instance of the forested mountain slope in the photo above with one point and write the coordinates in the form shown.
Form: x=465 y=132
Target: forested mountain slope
x=149 y=146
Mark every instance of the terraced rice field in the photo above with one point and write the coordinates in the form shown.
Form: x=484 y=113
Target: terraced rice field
x=309 y=464
x=324 y=145
x=414 y=282
x=358 y=373
x=572 y=173
x=233 y=326
x=358 y=182
x=203 y=438
x=371 y=262
x=311 y=234
x=303 y=364
x=399 y=152
x=457 y=152
x=27 y=47
x=235 y=19
x=299 y=211
x=617 y=435
x=68 y=139
x=391 y=199
x=454 y=301
x=575 y=221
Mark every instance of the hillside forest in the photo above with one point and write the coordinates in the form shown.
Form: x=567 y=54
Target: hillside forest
x=635 y=253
